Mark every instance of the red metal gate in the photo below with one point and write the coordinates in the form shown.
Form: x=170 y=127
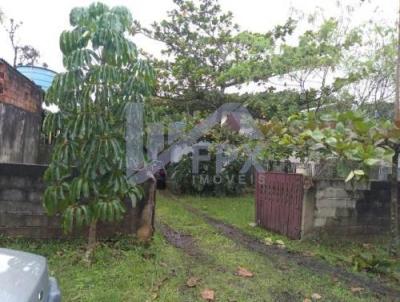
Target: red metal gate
x=279 y=202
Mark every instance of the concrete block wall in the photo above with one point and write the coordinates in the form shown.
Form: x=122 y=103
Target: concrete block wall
x=342 y=209
x=21 y=210
x=332 y=202
x=22 y=213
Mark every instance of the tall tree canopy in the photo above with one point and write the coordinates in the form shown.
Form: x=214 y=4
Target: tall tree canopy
x=373 y=65
x=330 y=62
x=308 y=65
x=202 y=43
x=104 y=73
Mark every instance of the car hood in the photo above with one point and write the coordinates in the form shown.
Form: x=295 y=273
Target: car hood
x=23 y=277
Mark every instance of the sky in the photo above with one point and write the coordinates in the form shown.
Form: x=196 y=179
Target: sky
x=44 y=20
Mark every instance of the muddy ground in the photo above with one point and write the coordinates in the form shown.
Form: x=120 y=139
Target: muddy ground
x=281 y=257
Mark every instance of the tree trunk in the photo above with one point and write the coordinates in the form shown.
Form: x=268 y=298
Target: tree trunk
x=91 y=241
x=394 y=206
x=15 y=56
x=146 y=224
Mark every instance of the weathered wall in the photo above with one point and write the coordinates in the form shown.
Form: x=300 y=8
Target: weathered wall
x=19 y=135
x=307 y=216
x=20 y=116
x=45 y=151
x=22 y=213
x=342 y=209
x=18 y=90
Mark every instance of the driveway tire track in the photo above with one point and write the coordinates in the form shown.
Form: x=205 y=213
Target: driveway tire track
x=316 y=265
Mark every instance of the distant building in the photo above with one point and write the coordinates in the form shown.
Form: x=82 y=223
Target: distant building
x=20 y=116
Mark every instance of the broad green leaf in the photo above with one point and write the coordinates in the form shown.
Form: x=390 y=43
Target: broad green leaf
x=359 y=172
x=372 y=161
x=350 y=176
x=317 y=135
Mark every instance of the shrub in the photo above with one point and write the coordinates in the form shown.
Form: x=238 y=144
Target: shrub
x=207 y=181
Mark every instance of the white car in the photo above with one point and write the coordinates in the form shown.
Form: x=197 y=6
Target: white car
x=24 y=277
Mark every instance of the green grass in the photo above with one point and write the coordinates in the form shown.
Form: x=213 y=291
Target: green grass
x=123 y=270
x=274 y=279
x=240 y=212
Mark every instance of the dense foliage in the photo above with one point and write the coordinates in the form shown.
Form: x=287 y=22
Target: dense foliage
x=207 y=182
x=207 y=61
x=223 y=145
x=348 y=137
x=86 y=177
x=329 y=62
x=202 y=44
x=351 y=140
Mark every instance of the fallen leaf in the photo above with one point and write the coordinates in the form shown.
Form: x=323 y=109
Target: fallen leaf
x=192 y=281
x=268 y=241
x=243 y=272
x=280 y=244
x=316 y=296
x=356 y=289
x=208 y=294
x=253 y=224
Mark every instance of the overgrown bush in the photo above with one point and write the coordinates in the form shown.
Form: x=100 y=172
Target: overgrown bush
x=207 y=182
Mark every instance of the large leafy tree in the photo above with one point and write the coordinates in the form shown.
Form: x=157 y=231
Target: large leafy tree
x=333 y=63
x=104 y=73
x=205 y=53
x=198 y=48
x=374 y=64
x=308 y=66
x=202 y=43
